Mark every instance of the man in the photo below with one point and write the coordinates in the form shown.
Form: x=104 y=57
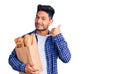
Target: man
x=52 y=45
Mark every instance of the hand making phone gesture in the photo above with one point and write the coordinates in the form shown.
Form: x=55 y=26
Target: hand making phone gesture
x=55 y=31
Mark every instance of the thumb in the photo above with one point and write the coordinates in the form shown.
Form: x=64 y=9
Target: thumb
x=59 y=26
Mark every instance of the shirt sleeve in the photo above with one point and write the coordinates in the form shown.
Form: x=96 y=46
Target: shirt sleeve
x=62 y=46
x=15 y=63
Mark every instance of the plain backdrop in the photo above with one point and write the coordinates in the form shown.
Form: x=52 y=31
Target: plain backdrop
x=91 y=28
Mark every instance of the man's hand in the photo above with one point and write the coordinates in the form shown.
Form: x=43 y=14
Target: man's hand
x=55 y=31
x=29 y=69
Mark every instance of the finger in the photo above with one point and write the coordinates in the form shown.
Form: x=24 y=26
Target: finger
x=31 y=65
x=37 y=72
x=33 y=71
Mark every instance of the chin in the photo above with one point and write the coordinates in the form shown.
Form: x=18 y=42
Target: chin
x=40 y=29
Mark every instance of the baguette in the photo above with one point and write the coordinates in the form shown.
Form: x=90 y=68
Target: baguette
x=27 y=40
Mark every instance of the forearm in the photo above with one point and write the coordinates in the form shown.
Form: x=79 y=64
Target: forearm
x=15 y=63
x=63 y=50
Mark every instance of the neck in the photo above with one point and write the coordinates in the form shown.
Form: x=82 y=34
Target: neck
x=42 y=33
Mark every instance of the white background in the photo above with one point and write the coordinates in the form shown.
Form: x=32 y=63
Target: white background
x=91 y=28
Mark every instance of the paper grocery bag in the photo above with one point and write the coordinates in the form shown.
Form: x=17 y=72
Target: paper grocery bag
x=29 y=55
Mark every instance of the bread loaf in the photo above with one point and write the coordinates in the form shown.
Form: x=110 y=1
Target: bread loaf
x=19 y=42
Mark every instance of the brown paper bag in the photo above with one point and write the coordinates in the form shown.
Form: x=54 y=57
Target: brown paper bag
x=29 y=55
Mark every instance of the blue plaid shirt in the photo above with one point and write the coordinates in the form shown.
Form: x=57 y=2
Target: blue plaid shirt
x=55 y=47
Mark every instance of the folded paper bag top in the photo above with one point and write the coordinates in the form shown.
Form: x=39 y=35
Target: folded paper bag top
x=28 y=52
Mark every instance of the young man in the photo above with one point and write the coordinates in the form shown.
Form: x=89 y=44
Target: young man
x=51 y=44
